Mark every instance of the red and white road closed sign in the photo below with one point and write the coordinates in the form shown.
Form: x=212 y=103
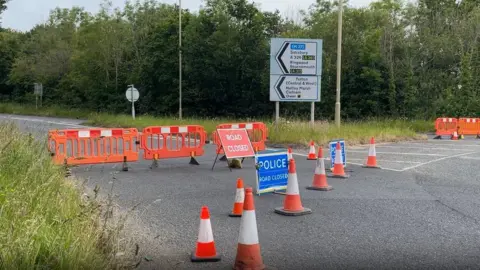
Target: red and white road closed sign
x=236 y=143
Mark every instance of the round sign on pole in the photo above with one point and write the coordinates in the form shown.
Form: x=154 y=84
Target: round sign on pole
x=135 y=94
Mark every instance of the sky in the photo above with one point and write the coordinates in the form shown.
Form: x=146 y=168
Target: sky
x=22 y=15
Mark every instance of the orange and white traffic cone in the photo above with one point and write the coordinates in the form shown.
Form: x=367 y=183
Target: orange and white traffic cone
x=248 y=249
x=312 y=155
x=320 y=177
x=205 y=250
x=372 y=156
x=239 y=198
x=292 y=205
x=289 y=153
x=454 y=136
x=338 y=169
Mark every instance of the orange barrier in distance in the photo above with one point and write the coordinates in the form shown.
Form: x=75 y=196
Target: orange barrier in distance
x=445 y=126
x=257 y=131
x=93 y=146
x=164 y=142
x=469 y=126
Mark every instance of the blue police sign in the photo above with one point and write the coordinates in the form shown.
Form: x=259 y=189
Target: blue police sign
x=272 y=170
x=333 y=145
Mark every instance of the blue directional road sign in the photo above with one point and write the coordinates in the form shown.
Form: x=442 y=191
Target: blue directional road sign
x=333 y=145
x=272 y=170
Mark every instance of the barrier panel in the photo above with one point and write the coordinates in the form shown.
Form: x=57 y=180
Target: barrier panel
x=93 y=146
x=445 y=126
x=164 y=142
x=469 y=126
x=257 y=131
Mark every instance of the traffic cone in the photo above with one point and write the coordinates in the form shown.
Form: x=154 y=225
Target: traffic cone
x=320 y=177
x=239 y=198
x=311 y=154
x=292 y=205
x=248 y=249
x=289 y=153
x=338 y=169
x=205 y=250
x=454 y=136
x=372 y=156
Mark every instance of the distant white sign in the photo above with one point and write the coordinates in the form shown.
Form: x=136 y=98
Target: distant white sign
x=294 y=88
x=132 y=94
x=295 y=69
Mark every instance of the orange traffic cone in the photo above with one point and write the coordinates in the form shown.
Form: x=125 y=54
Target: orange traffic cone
x=292 y=205
x=320 y=177
x=239 y=198
x=248 y=249
x=338 y=169
x=311 y=154
x=454 y=136
x=289 y=153
x=205 y=250
x=372 y=156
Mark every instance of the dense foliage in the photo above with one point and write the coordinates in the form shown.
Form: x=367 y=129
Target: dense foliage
x=401 y=60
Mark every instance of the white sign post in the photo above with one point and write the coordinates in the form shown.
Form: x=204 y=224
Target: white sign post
x=38 y=92
x=295 y=72
x=132 y=95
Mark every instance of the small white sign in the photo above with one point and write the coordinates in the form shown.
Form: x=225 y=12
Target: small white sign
x=135 y=94
x=294 y=88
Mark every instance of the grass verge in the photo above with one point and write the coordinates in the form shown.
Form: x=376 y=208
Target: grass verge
x=292 y=132
x=44 y=221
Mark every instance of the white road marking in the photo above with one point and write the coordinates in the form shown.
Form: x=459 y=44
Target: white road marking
x=471 y=158
x=421 y=147
x=348 y=162
x=436 y=160
x=384 y=160
x=455 y=143
x=400 y=153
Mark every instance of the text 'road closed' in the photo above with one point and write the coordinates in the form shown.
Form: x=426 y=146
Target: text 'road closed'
x=236 y=143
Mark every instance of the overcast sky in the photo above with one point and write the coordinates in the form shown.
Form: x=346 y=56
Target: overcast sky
x=24 y=14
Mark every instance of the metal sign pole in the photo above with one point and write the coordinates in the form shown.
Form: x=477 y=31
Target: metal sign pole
x=133 y=103
x=277 y=113
x=312 y=115
x=41 y=94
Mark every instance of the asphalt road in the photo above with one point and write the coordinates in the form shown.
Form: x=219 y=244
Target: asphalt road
x=420 y=211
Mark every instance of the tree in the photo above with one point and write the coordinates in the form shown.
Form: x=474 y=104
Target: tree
x=398 y=59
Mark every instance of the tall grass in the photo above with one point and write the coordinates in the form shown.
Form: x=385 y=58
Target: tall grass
x=44 y=222
x=360 y=132
x=292 y=132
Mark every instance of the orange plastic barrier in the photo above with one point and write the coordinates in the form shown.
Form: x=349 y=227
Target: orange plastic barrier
x=164 y=142
x=445 y=126
x=469 y=126
x=257 y=131
x=93 y=146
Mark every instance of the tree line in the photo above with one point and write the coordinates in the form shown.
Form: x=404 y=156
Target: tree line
x=398 y=59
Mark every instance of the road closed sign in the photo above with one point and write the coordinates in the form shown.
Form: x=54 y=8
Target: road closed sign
x=272 y=171
x=236 y=143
